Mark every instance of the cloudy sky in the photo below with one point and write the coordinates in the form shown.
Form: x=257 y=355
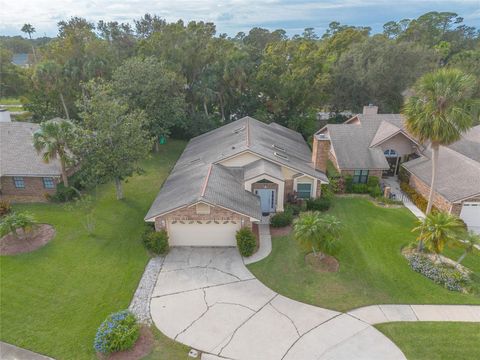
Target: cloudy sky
x=230 y=16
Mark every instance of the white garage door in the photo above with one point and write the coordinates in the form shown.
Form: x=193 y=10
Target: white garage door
x=471 y=215
x=205 y=233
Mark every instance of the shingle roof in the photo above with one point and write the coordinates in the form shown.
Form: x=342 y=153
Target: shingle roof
x=197 y=172
x=17 y=154
x=261 y=167
x=458 y=167
x=355 y=144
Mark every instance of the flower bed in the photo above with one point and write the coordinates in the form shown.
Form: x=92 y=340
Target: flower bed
x=118 y=332
x=440 y=273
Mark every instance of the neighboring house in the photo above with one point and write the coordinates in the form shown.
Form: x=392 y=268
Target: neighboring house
x=227 y=178
x=368 y=144
x=457 y=189
x=24 y=176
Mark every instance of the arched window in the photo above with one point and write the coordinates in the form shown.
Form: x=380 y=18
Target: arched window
x=390 y=153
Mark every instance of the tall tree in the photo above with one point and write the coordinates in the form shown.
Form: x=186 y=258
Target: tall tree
x=29 y=29
x=53 y=140
x=440 y=112
x=115 y=140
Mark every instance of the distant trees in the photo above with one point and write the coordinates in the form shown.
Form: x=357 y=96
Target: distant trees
x=29 y=30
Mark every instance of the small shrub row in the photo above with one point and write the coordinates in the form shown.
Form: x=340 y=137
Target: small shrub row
x=63 y=194
x=384 y=200
x=246 y=241
x=295 y=209
x=282 y=219
x=319 y=204
x=156 y=241
x=118 y=332
x=372 y=186
x=449 y=277
x=416 y=198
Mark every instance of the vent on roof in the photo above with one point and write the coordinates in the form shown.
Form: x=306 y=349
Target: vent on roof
x=281 y=156
x=276 y=147
x=237 y=130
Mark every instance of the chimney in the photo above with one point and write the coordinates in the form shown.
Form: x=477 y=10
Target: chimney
x=321 y=148
x=370 y=110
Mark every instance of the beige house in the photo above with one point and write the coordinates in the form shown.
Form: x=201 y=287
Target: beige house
x=458 y=177
x=231 y=176
x=368 y=144
x=24 y=176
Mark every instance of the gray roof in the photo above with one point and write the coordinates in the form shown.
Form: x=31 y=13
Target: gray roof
x=355 y=144
x=18 y=157
x=197 y=176
x=458 y=167
x=262 y=167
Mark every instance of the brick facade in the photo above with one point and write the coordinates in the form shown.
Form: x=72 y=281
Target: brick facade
x=320 y=153
x=457 y=208
x=319 y=189
x=190 y=213
x=423 y=189
x=34 y=190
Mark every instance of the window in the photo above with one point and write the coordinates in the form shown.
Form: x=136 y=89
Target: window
x=360 y=176
x=390 y=153
x=48 y=183
x=19 y=182
x=304 y=191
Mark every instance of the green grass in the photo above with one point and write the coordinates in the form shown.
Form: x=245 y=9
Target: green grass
x=53 y=299
x=12 y=108
x=372 y=268
x=10 y=101
x=435 y=341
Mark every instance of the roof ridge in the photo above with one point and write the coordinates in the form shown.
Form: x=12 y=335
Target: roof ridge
x=205 y=183
x=247 y=139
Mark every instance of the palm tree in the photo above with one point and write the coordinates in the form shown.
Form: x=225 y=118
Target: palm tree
x=440 y=112
x=439 y=229
x=29 y=29
x=321 y=233
x=52 y=140
x=469 y=242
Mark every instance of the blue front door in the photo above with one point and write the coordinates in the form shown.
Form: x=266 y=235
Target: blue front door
x=267 y=200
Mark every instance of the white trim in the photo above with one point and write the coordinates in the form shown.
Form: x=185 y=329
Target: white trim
x=281 y=188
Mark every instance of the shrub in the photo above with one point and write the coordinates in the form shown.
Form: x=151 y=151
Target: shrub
x=118 y=332
x=383 y=199
x=63 y=194
x=416 y=198
x=14 y=221
x=360 y=188
x=348 y=183
x=5 y=207
x=449 y=277
x=246 y=241
x=282 y=219
x=373 y=181
x=295 y=209
x=319 y=204
x=156 y=241
x=375 y=191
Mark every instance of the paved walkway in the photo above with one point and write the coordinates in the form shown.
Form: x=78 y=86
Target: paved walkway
x=207 y=299
x=377 y=314
x=400 y=195
x=12 y=352
x=265 y=247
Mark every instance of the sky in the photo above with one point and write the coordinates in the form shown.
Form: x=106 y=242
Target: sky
x=230 y=16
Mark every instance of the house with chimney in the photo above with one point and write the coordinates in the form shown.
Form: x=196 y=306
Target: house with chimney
x=368 y=144
x=230 y=177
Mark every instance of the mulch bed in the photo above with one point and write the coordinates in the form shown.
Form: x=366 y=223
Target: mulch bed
x=23 y=243
x=325 y=264
x=142 y=347
x=283 y=231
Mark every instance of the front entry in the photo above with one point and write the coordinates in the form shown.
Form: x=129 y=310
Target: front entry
x=267 y=200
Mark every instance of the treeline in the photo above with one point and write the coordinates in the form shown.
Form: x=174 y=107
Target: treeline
x=187 y=79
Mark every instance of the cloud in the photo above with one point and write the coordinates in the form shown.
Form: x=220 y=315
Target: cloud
x=230 y=16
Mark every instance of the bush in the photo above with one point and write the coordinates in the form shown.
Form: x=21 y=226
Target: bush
x=156 y=241
x=416 y=198
x=449 y=277
x=118 y=332
x=383 y=199
x=63 y=194
x=246 y=241
x=295 y=209
x=373 y=181
x=359 y=188
x=5 y=207
x=319 y=204
x=375 y=191
x=348 y=185
x=282 y=219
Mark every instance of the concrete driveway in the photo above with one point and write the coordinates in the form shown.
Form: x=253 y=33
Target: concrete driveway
x=207 y=299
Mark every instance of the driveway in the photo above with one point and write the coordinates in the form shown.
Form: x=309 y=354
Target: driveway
x=207 y=299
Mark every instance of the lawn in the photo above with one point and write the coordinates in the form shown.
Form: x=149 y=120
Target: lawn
x=435 y=341
x=52 y=300
x=372 y=269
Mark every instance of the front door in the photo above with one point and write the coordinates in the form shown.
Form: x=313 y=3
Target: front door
x=267 y=200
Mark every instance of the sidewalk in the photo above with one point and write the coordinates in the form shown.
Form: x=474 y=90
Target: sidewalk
x=265 y=247
x=12 y=352
x=377 y=314
x=394 y=185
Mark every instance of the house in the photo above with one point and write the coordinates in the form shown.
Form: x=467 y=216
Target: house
x=24 y=176
x=231 y=176
x=457 y=189
x=368 y=144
